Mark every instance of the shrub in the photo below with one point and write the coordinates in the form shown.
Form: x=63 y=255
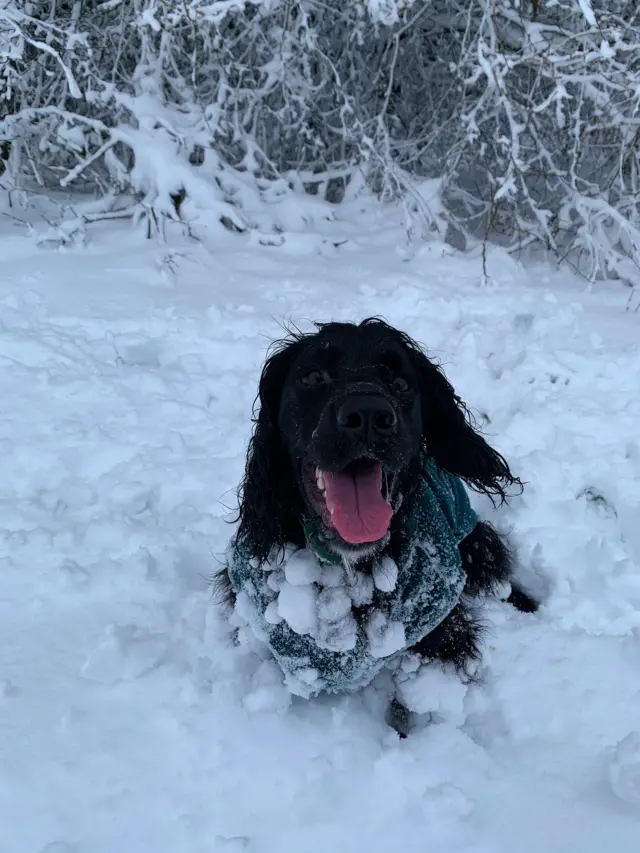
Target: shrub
x=527 y=112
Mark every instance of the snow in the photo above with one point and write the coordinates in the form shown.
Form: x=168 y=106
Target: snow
x=624 y=769
x=132 y=721
x=587 y=11
x=437 y=692
x=333 y=604
x=385 y=636
x=385 y=575
x=297 y=605
x=337 y=635
x=301 y=568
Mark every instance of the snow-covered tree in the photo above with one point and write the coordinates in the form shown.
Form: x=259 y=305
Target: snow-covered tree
x=527 y=111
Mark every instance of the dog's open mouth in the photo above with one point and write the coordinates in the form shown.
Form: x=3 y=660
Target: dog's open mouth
x=354 y=501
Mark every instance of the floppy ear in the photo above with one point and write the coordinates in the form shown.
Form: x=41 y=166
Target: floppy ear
x=270 y=503
x=451 y=437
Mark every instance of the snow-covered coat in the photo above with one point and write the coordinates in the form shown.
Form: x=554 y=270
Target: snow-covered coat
x=332 y=628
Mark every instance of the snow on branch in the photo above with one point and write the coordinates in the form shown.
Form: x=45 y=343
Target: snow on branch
x=527 y=112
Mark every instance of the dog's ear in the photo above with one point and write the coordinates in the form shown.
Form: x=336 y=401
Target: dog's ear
x=451 y=436
x=270 y=504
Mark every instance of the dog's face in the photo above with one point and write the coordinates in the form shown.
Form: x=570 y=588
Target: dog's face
x=351 y=419
x=344 y=415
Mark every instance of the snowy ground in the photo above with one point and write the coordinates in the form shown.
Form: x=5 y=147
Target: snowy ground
x=128 y=720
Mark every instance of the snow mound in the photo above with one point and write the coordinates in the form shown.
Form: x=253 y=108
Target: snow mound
x=134 y=717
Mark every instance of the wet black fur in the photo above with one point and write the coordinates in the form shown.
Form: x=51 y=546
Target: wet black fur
x=271 y=505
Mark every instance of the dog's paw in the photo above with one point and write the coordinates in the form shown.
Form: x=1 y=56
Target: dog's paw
x=398 y=717
x=521 y=600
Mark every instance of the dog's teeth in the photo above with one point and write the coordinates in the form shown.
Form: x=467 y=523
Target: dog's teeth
x=320 y=480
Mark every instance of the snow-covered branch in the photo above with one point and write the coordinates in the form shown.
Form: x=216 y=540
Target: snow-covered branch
x=527 y=112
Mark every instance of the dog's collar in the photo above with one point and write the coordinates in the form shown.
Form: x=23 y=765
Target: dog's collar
x=317 y=545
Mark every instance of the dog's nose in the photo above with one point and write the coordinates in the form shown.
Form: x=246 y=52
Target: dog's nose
x=367 y=415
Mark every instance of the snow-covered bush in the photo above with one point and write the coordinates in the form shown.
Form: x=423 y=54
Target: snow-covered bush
x=528 y=111
x=551 y=144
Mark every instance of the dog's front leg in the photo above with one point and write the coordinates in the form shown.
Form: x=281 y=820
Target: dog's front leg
x=488 y=563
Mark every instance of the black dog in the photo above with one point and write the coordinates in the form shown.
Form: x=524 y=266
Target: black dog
x=346 y=414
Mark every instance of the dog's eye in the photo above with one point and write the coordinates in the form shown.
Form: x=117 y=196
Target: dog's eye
x=400 y=384
x=312 y=379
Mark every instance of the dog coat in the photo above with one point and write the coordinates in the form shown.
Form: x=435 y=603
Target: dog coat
x=333 y=628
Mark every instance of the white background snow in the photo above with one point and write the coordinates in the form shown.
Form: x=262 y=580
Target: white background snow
x=129 y=722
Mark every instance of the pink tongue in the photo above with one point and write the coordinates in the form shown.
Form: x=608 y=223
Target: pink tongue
x=358 y=511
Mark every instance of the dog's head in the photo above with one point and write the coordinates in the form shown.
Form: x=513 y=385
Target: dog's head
x=344 y=415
